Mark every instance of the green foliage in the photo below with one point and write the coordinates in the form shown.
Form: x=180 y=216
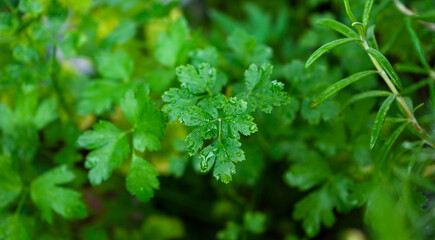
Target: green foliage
x=110 y=146
x=338 y=86
x=261 y=92
x=171 y=46
x=385 y=64
x=253 y=222
x=148 y=122
x=380 y=119
x=142 y=179
x=328 y=47
x=337 y=26
x=117 y=65
x=416 y=44
x=200 y=105
x=366 y=15
x=115 y=69
x=246 y=50
x=47 y=196
x=366 y=95
x=10 y=185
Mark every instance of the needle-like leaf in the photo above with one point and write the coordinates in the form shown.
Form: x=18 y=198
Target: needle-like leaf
x=337 y=26
x=371 y=38
x=380 y=119
x=326 y=48
x=386 y=65
x=366 y=13
x=349 y=11
x=334 y=88
x=416 y=43
x=390 y=141
x=365 y=95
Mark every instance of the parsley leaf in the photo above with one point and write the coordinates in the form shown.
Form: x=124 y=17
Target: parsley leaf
x=222 y=154
x=209 y=54
x=255 y=222
x=98 y=96
x=142 y=179
x=45 y=193
x=235 y=120
x=179 y=100
x=122 y=33
x=211 y=104
x=197 y=80
x=110 y=146
x=12 y=227
x=200 y=105
x=148 y=122
x=205 y=128
x=318 y=206
x=171 y=46
x=246 y=50
x=116 y=65
x=31 y=7
x=231 y=232
x=45 y=113
x=261 y=91
x=10 y=184
x=20 y=126
x=315 y=209
x=225 y=151
x=304 y=176
x=200 y=86
x=327 y=111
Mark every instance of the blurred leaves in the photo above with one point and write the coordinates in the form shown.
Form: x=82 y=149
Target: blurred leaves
x=48 y=196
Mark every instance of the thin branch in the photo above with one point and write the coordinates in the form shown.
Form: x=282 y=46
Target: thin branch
x=399 y=99
x=408 y=12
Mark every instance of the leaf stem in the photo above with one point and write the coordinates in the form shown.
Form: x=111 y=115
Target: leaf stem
x=11 y=7
x=220 y=129
x=56 y=86
x=402 y=8
x=20 y=204
x=399 y=97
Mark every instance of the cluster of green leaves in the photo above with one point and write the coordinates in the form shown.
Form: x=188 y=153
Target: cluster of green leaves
x=110 y=146
x=200 y=104
x=365 y=37
x=48 y=92
x=344 y=194
x=253 y=222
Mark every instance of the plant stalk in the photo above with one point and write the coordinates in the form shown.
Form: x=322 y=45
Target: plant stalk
x=402 y=8
x=399 y=98
x=20 y=205
x=56 y=87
